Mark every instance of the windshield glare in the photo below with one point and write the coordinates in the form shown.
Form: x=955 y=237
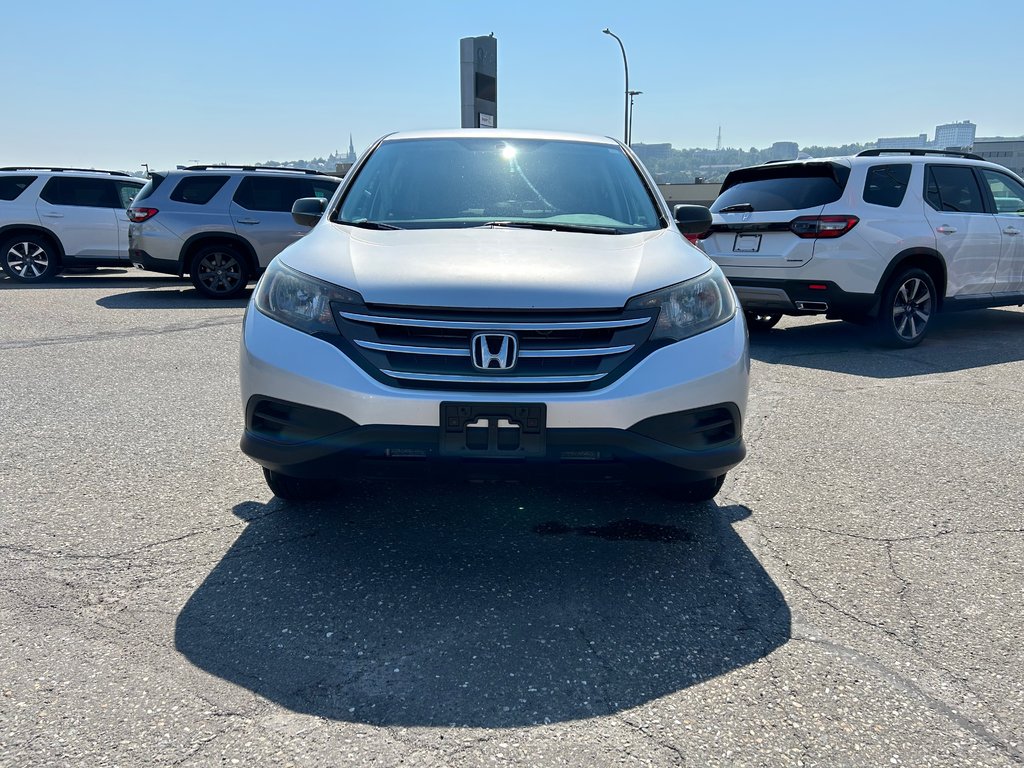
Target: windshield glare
x=450 y=182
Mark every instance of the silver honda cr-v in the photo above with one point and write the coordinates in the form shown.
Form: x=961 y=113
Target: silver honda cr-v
x=489 y=300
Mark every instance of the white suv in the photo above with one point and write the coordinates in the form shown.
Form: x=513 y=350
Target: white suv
x=52 y=218
x=888 y=237
x=485 y=300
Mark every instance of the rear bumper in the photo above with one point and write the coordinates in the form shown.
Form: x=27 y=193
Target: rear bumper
x=142 y=260
x=797 y=297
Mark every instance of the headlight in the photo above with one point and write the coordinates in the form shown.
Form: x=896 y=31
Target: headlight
x=298 y=300
x=689 y=308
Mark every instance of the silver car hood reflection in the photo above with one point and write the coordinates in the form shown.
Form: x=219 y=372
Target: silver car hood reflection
x=495 y=268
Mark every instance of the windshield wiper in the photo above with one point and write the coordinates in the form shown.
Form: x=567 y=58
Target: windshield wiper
x=556 y=226
x=738 y=208
x=367 y=224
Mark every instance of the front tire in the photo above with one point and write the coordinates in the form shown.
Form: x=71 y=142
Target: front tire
x=219 y=272
x=29 y=259
x=907 y=308
x=298 y=488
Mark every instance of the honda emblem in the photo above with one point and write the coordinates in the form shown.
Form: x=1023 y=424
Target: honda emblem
x=494 y=351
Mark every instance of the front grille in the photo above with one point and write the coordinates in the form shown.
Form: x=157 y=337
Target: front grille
x=433 y=348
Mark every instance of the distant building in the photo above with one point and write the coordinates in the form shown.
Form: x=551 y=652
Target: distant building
x=652 y=152
x=1008 y=152
x=903 y=142
x=690 y=194
x=784 y=150
x=954 y=135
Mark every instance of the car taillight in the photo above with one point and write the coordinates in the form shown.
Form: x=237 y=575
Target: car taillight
x=141 y=214
x=822 y=226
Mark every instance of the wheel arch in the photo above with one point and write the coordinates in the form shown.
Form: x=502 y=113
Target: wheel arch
x=929 y=260
x=204 y=239
x=13 y=230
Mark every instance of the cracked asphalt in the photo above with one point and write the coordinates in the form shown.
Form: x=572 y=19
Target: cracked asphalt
x=852 y=598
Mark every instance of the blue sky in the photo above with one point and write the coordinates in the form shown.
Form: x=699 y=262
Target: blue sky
x=115 y=85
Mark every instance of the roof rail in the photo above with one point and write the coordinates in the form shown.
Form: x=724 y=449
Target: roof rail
x=75 y=170
x=919 y=152
x=251 y=168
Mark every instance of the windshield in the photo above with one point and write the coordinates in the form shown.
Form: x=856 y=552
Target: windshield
x=472 y=182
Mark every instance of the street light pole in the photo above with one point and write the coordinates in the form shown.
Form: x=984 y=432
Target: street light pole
x=625 y=64
x=632 y=94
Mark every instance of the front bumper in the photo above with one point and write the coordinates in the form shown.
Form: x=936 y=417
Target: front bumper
x=615 y=426
x=693 y=445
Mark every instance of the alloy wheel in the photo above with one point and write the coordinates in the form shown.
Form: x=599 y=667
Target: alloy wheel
x=219 y=272
x=27 y=260
x=911 y=309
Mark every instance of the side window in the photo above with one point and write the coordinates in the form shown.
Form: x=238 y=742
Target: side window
x=88 y=193
x=1007 y=192
x=319 y=188
x=198 y=190
x=953 y=188
x=12 y=186
x=887 y=184
x=268 y=193
x=127 y=192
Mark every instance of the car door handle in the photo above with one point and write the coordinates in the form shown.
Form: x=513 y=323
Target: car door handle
x=54 y=215
x=248 y=221
x=1011 y=231
x=946 y=229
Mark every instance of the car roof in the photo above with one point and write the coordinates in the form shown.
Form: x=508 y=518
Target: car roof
x=41 y=170
x=502 y=133
x=227 y=168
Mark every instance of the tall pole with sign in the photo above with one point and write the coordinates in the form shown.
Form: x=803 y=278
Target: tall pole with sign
x=479 y=71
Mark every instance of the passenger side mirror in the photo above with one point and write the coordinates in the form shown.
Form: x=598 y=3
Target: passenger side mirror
x=692 y=219
x=307 y=210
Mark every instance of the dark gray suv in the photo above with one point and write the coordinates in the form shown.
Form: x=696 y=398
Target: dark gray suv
x=219 y=224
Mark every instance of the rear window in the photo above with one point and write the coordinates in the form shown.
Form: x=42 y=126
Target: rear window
x=783 y=187
x=198 y=190
x=12 y=186
x=155 y=180
x=887 y=184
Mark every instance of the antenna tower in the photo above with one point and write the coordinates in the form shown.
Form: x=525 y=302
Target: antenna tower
x=718 y=146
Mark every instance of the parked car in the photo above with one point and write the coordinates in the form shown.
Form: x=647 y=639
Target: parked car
x=219 y=224
x=55 y=218
x=477 y=299
x=888 y=237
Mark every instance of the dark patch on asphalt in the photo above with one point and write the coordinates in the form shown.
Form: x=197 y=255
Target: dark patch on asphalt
x=619 y=530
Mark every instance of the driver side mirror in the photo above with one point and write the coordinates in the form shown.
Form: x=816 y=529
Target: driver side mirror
x=307 y=211
x=692 y=219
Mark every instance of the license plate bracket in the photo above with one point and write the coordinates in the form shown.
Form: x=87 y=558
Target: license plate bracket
x=747 y=243
x=493 y=430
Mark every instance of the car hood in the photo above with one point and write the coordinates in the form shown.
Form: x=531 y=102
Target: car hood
x=495 y=268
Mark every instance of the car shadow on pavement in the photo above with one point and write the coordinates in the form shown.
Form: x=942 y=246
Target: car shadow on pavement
x=958 y=341
x=481 y=605
x=183 y=298
x=100 y=279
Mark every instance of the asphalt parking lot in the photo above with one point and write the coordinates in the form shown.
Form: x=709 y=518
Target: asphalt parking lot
x=852 y=597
